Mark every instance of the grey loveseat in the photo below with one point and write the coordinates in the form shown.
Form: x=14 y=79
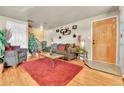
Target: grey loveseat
x=68 y=52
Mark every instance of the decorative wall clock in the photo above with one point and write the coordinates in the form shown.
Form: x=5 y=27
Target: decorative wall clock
x=66 y=30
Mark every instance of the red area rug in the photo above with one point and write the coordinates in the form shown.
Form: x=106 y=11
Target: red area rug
x=45 y=75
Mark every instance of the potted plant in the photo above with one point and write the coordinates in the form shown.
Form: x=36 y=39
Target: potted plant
x=2 y=49
x=1 y=65
x=82 y=50
x=33 y=44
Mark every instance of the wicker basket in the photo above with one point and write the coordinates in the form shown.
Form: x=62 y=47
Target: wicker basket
x=1 y=67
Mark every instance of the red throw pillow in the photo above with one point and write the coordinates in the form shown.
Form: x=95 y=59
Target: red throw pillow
x=8 y=48
x=61 y=47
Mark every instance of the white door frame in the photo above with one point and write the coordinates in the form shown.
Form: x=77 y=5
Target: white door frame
x=117 y=37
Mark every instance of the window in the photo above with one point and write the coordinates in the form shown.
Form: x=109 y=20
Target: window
x=19 y=34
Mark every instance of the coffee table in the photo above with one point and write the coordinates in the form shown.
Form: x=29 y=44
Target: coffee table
x=52 y=56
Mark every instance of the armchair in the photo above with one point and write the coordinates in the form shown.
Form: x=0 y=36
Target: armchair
x=15 y=57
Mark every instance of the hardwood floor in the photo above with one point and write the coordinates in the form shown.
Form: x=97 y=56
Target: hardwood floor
x=90 y=77
x=86 y=77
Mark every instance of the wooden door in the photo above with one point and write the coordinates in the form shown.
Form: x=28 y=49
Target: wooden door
x=104 y=40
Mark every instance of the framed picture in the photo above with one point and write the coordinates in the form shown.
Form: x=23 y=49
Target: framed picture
x=57 y=30
x=74 y=27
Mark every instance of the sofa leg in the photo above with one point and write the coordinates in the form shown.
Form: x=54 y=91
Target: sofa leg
x=14 y=66
x=69 y=59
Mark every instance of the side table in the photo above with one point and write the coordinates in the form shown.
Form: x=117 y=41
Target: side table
x=83 y=56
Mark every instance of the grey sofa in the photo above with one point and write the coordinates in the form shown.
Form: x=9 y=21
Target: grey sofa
x=69 y=52
x=15 y=57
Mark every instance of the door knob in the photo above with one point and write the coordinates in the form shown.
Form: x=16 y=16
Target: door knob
x=93 y=41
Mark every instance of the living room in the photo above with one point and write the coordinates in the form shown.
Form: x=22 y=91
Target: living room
x=61 y=46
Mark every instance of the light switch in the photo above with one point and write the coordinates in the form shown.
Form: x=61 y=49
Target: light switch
x=121 y=35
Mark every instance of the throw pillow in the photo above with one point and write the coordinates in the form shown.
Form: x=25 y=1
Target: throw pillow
x=61 y=47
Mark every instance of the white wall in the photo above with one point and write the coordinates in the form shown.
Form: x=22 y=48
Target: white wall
x=3 y=21
x=83 y=29
x=122 y=39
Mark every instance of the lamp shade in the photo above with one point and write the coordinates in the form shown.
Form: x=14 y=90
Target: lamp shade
x=41 y=27
x=82 y=43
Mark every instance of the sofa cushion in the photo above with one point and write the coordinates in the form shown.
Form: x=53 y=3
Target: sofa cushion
x=8 y=48
x=61 y=52
x=67 y=46
x=54 y=47
x=10 y=53
x=16 y=47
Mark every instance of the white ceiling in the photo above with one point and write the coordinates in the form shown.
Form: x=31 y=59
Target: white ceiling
x=53 y=16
